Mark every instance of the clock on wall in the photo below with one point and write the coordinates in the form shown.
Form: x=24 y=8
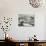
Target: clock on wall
x=35 y=3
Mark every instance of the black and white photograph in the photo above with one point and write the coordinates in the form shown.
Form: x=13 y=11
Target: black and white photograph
x=26 y=20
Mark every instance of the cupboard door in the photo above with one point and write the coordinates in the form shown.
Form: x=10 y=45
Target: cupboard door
x=30 y=44
x=35 y=44
x=17 y=44
x=40 y=44
x=44 y=44
x=25 y=44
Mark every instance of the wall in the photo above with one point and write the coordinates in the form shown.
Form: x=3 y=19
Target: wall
x=7 y=9
x=12 y=8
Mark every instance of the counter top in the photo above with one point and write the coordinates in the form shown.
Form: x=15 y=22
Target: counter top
x=42 y=41
x=21 y=41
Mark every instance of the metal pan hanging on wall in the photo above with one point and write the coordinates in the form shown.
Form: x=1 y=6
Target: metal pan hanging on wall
x=35 y=3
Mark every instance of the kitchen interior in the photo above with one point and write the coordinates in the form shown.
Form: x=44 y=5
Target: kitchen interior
x=22 y=23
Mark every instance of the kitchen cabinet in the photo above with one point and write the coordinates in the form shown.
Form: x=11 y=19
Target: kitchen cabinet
x=27 y=43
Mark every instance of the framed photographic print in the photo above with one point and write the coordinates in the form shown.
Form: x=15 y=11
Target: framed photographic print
x=26 y=20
